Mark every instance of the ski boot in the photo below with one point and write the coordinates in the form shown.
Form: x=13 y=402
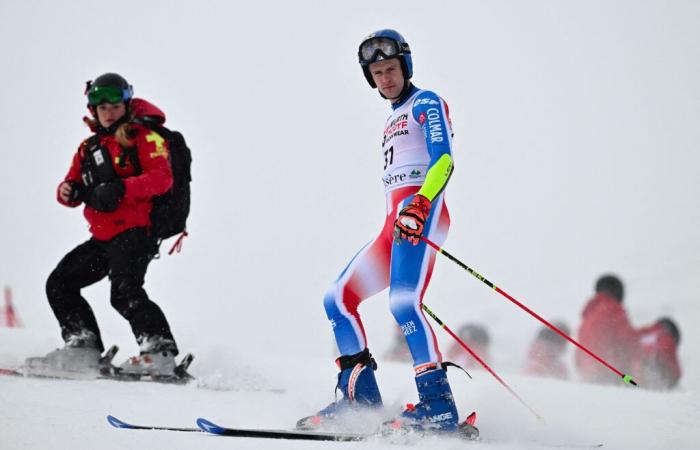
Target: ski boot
x=436 y=410
x=79 y=355
x=359 y=387
x=156 y=360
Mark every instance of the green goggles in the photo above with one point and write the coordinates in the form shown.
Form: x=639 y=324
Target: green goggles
x=108 y=94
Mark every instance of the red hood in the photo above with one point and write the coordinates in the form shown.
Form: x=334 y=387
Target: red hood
x=139 y=109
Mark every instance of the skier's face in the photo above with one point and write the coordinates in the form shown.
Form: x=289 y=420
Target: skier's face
x=388 y=76
x=107 y=113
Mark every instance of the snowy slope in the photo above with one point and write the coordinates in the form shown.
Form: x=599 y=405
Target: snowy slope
x=37 y=412
x=576 y=153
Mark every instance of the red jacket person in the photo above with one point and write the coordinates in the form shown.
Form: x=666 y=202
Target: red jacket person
x=657 y=365
x=606 y=331
x=115 y=174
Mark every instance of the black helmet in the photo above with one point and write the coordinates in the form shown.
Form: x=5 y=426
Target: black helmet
x=110 y=88
x=612 y=285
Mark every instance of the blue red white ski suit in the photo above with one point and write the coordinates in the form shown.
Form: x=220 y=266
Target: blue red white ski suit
x=417 y=150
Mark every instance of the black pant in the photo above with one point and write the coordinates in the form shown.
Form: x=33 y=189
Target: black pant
x=125 y=259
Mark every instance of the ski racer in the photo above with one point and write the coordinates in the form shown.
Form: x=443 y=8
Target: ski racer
x=115 y=174
x=416 y=155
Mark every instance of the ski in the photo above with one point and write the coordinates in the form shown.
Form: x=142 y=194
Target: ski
x=210 y=427
x=116 y=423
x=105 y=371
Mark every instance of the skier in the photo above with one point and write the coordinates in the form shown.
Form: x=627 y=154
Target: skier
x=116 y=173
x=417 y=159
x=656 y=365
x=544 y=358
x=607 y=332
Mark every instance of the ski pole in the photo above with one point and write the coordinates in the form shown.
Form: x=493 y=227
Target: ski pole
x=479 y=360
x=625 y=377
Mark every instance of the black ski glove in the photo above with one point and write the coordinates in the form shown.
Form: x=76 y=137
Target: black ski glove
x=77 y=192
x=105 y=197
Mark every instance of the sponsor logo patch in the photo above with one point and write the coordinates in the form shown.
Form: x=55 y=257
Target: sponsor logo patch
x=440 y=417
x=426 y=101
x=434 y=125
x=409 y=328
x=393 y=179
x=397 y=127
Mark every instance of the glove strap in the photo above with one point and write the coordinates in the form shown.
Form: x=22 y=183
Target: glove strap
x=421 y=203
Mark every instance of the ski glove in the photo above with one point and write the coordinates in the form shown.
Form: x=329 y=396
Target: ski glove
x=409 y=225
x=106 y=197
x=76 y=194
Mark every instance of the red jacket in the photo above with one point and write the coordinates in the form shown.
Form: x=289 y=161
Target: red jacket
x=656 y=365
x=607 y=332
x=155 y=177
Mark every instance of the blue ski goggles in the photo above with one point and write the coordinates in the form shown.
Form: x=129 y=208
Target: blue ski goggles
x=108 y=94
x=379 y=48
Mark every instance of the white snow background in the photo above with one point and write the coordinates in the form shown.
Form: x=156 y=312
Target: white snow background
x=576 y=133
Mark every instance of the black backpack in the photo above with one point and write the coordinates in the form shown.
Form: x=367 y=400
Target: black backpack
x=170 y=210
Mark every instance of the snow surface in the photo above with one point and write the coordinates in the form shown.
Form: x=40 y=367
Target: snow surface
x=576 y=131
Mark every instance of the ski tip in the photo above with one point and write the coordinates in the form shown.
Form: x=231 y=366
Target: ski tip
x=209 y=427
x=116 y=423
